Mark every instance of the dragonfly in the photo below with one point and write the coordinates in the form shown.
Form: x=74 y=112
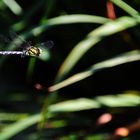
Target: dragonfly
x=28 y=50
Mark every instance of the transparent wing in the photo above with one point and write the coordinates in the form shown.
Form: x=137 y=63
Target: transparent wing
x=13 y=36
x=7 y=39
x=44 y=48
x=47 y=44
x=4 y=39
x=18 y=40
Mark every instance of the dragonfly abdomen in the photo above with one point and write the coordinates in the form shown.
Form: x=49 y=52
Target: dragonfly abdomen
x=11 y=53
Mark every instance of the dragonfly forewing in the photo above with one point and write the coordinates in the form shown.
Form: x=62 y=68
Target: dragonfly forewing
x=4 y=39
x=48 y=44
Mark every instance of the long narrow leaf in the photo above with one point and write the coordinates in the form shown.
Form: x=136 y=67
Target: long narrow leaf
x=127 y=8
x=13 y=6
x=68 y=19
x=15 y=128
x=124 y=58
x=125 y=99
x=91 y=40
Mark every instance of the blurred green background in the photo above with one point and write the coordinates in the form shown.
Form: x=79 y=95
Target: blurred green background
x=86 y=87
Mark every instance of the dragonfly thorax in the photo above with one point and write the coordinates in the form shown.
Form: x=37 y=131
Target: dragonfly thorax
x=32 y=51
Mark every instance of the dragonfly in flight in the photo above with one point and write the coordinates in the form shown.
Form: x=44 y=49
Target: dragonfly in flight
x=28 y=50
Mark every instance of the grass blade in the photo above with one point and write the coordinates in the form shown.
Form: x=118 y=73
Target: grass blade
x=13 y=6
x=68 y=19
x=20 y=125
x=92 y=39
x=125 y=99
x=121 y=59
x=127 y=8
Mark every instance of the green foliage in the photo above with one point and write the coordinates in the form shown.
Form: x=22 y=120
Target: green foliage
x=90 y=72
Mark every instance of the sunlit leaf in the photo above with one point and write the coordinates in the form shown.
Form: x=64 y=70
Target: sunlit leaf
x=121 y=59
x=126 y=7
x=122 y=100
x=18 y=126
x=13 y=6
x=91 y=40
x=74 y=105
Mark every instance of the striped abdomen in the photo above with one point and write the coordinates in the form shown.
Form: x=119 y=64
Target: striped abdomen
x=11 y=53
